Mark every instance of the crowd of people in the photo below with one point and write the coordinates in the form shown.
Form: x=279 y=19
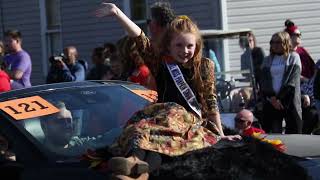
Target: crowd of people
x=172 y=63
x=285 y=82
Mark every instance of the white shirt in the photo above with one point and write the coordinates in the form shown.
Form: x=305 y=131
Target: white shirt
x=277 y=71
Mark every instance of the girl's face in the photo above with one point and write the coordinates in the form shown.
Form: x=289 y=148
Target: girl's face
x=182 y=47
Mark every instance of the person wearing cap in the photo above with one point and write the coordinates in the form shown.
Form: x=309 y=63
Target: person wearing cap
x=307 y=62
x=243 y=123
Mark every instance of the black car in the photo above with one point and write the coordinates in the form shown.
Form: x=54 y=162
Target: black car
x=40 y=139
x=46 y=129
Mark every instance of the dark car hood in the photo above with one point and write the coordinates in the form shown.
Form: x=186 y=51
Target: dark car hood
x=299 y=145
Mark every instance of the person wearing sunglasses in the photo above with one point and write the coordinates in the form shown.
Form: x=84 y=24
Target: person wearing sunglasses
x=280 y=87
x=307 y=77
x=58 y=128
x=243 y=123
x=307 y=63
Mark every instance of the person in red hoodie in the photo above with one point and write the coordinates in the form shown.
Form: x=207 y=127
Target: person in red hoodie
x=308 y=64
x=4 y=77
x=4 y=80
x=243 y=123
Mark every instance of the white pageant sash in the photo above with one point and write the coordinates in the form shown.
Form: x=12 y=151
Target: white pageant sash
x=184 y=88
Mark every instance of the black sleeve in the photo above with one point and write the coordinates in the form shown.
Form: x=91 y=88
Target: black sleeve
x=293 y=81
x=316 y=86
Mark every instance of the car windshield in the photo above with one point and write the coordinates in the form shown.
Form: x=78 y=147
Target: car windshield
x=88 y=118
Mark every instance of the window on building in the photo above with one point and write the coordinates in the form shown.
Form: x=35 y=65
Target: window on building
x=53 y=27
x=138 y=13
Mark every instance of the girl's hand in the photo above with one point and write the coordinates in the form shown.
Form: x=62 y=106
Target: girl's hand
x=231 y=137
x=107 y=9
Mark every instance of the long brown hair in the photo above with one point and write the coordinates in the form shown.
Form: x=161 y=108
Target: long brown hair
x=129 y=54
x=183 y=24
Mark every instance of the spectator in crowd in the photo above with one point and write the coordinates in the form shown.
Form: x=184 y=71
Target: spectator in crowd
x=243 y=123
x=133 y=63
x=252 y=57
x=116 y=64
x=180 y=51
x=280 y=87
x=307 y=62
x=109 y=49
x=257 y=56
x=316 y=90
x=308 y=68
x=161 y=16
x=2 y=51
x=101 y=70
x=17 y=62
x=242 y=99
x=309 y=111
x=67 y=68
x=245 y=59
x=4 y=77
x=217 y=67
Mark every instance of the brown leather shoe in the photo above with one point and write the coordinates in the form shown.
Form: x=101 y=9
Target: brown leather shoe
x=127 y=166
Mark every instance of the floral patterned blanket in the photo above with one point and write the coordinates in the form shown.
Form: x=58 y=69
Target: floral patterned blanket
x=166 y=128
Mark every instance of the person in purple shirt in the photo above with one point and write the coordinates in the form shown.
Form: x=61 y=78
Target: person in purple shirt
x=18 y=61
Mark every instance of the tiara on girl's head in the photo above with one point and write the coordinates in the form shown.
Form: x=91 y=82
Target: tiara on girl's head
x=183 y=17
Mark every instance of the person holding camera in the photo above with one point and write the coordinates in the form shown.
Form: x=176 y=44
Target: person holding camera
x=67 y=68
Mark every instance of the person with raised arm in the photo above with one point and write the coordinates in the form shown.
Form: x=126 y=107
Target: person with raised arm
x=186 y=96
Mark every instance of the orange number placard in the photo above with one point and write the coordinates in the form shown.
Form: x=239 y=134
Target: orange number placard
x=149 y=95
x=29 y=107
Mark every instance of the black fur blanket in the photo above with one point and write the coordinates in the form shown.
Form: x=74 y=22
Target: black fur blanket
x=248 y=159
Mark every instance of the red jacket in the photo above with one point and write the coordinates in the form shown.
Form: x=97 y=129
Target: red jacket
x=307 y=63
x=141 y=75
x=4 y=82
